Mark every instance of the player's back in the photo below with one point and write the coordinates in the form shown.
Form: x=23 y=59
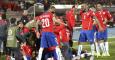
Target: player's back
x=47 y=22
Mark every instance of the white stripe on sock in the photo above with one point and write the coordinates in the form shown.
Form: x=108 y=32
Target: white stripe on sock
x=97 y=47
x=79 y=50
x=92 y=49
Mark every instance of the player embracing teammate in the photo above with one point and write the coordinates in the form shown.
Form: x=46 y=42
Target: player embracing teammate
x=99 y=19
x=89 y=18
x=103 y=17
x=48 y=38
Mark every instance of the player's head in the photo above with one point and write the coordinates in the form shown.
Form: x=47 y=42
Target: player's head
x=20 y=24
x=52 y=9
x=84 y=6
x=76 y=11
x=98 y=6
x=12 y=20
x=0 y=16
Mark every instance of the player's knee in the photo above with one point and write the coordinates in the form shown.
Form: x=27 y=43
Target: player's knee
x=91 y=42
x=41 y=49
x=79 y=43
x=105 y=40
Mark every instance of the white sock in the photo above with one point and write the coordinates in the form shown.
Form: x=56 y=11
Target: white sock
x=102 y=47
x=92 y=49
x=59 y=54
x=25 y=58
x=97 y=47
x=12 y=58
x=40 y=53
x=107 y=47
x=50 y=59
x=2 y=47
x=79 y=50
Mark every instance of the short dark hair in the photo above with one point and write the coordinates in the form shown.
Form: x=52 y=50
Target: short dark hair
x=52 y=7
x=99 y=3
x=12 y=20
x=20 y=21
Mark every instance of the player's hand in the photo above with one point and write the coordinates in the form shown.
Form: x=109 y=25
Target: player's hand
x=94 y=23
x=104 y=22
x=38 y=35
x=101 y=29
x=65 y=24
x=61 y=44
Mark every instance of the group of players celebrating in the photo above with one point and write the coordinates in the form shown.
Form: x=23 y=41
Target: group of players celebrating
x=56 y=33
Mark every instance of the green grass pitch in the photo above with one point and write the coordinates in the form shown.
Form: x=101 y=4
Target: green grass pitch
x=111 y=50
x=86 y=46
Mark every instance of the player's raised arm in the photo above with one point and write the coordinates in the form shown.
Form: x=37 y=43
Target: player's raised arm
x=97 y=21
x=57 y=21
x=108 y=17
x=37 y=27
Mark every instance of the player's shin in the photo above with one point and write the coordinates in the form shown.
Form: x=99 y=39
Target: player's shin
x=107 y=48
x=92 y=49
x=59 y=54
x=102 y=48
x=79 y=50
x=97 y=49
x=40 y=53
x=24 y=57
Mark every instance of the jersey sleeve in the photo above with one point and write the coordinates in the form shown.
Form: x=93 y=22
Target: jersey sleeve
x=108 y=15
x=37 y=18
x=92 y=13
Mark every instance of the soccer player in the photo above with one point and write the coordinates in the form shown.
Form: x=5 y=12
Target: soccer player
x=48 y=38
x=22 y=34
x=65 y=37
x=70 y=17
x=57 y=29
x=101 y=36
x=87 y=34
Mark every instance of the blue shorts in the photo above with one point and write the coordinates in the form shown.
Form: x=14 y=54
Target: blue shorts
x=48 y=39
x=28 y=57
x=102 y=35
x=51 y=54
x=94 y=29
x=86 y=36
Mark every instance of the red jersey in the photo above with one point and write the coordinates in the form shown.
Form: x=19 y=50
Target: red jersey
x=87 y=19
x=51 y=48
x=27 y=50
x=57 y=32
x=47 y=22
x=107 y=14
x=65 y=35
x=101 y=18
x=70 y=19
x=24 y=31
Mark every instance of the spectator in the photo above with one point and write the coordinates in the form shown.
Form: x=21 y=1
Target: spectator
x=3 y=34
x=11 y=40
x=22 y=35
x=46 y=4
x=24 y=17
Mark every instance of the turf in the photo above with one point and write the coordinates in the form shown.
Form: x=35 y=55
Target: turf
x=86 y=46
x=111 y=47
